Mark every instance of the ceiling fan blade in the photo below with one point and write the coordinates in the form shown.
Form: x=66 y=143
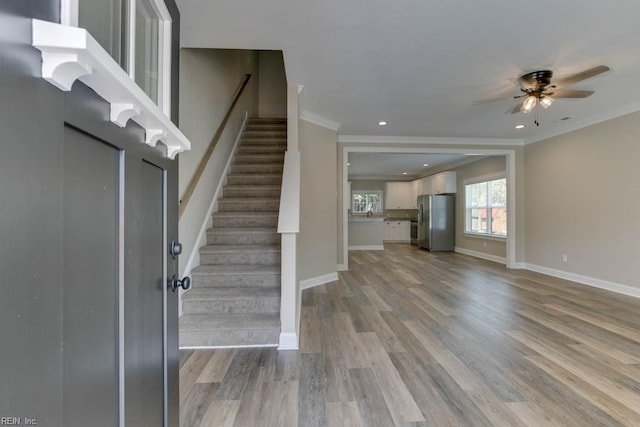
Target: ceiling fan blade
x=486 y=101
x=586 y=74
x=572 y=93
x=517 y=108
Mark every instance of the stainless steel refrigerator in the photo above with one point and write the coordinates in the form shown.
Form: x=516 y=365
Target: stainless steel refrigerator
x=436 y=222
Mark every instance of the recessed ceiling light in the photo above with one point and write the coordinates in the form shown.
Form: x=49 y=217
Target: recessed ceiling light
x=425 y=165
x=404 y=173
x=519 y=126
x=382 y=123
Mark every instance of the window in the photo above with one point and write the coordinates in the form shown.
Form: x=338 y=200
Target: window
x=137 y=35
x=365 y=201
x=486 y=206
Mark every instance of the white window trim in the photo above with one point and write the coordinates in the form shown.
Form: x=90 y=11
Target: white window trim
x=476 y=180
x=69 y=16
x=380 y=192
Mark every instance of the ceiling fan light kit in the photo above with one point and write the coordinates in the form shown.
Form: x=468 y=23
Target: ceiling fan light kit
x=537 y=89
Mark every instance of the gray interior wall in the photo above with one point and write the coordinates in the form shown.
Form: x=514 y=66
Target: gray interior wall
x=208 y=81
x=272 y=98
x=317 y=249
x=583 y=199
x=479 y=168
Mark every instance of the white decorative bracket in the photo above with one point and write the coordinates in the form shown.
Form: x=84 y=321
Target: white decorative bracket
x=121 y=113
x=70 y=54
x=152 y=136
x=62 y=69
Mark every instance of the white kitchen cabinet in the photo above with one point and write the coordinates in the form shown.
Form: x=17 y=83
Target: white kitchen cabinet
x=424 y=186
x=397 y=231
x=443 y=183
x=399 y=195
x=415 y=188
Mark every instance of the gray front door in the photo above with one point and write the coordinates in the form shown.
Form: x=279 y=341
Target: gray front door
x=144 y=288
x=87 y=212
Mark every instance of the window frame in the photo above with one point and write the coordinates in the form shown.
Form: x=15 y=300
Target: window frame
x=69 y=16
x=467 y=208
x=379 y=193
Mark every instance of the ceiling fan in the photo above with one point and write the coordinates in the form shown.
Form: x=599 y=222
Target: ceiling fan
x=536 y=88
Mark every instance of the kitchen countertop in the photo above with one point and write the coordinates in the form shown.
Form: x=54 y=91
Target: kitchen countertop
x=366 y=218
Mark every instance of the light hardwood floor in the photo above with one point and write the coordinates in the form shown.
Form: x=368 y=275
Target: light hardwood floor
x=413 y=338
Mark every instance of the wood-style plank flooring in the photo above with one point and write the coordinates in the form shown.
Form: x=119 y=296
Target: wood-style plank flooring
x=413 y=338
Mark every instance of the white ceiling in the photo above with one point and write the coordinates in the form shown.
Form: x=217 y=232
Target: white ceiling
x=419 y=64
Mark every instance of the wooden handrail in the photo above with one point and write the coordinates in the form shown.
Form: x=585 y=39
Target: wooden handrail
x=214 y=141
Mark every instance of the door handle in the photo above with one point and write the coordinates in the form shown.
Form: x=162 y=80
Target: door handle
x=176 y=283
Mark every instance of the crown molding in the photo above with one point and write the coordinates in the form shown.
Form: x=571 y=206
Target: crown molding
x=70 y=54
x=571 y=125
x=316 y=119
x=373 y=139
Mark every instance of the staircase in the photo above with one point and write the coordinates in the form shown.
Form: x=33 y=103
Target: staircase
x=235 y=298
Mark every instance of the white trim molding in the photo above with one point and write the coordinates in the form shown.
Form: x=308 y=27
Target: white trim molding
x=367 y=248
x=70 y=54
x=586 y=280
x=318 y=280
x=482 y=255
x=341 y=267
x=288 y=341
x=375 y=139
x=316 y=119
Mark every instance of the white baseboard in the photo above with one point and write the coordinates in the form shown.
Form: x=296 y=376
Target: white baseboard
x=586 y=280
x=341 y=267
x=518 y=265
x=288 y=341
x=367 y=248
x=476 y=254
x=319 y=280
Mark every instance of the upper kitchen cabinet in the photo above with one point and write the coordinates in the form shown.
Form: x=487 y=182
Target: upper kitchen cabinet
x=443 y=183
x=424 y=185
x=400 y=195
